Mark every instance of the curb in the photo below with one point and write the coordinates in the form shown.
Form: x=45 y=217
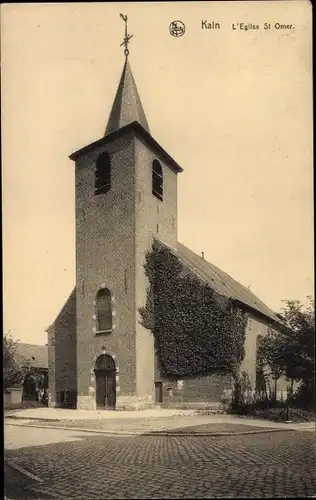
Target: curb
x=76 y=429
x=35 y=419
x=154 y=433
x=213 y=434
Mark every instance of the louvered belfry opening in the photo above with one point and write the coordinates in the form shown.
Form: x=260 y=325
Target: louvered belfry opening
x=157 y=180
x=103 y=174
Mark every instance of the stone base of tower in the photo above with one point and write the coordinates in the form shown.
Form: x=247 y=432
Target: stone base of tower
x=86 y=402
x=122 y=403
x=52 y=403
x=134 y=403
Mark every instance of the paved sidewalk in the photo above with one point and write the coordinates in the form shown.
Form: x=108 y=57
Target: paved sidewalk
x=149 y=422
x=65 y=414
x=210 y=429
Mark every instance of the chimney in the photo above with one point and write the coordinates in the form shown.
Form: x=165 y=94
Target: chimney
x=202 y=255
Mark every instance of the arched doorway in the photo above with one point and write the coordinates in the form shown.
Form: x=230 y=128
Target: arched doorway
x=29 y=387
x=105 y=378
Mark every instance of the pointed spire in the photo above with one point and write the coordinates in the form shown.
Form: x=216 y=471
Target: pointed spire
x=127 y=106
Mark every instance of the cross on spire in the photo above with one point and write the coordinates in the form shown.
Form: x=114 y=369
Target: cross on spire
x=127 y=107
x=127 y=36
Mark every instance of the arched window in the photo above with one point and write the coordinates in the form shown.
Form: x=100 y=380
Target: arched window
x=157 y=180
x=102 y=182
x=104 y=310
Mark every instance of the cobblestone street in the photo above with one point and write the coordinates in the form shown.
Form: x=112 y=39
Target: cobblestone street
x=77 y=466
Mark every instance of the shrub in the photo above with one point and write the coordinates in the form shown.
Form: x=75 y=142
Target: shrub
x=304 y=397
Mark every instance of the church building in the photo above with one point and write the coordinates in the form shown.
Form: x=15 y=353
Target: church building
x=100 y=355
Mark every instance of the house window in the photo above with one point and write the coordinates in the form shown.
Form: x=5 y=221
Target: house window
x=104 y=310
x=157 y=180
x=102 y=182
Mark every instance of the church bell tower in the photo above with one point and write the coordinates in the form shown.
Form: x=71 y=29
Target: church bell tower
x=126 y=195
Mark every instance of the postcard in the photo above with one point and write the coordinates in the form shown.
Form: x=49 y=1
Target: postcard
x=159 y=333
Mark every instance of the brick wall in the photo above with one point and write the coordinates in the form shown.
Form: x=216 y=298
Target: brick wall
x=113 y=233
x=51 y=366
x=105 y=257
x=62 y=359
x=197 y=391
x=204 y=389
x=153 y=217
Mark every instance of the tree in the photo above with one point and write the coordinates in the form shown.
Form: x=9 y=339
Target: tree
x=12 y=372
x=290 y=351
x=298 y=346
x=269 y=355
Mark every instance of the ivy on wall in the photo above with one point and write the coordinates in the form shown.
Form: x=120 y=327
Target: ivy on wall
x=196 y=330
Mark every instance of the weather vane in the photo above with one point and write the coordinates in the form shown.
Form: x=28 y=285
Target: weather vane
x=127 y=36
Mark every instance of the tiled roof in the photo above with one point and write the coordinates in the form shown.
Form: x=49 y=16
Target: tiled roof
x=220 y=281
x=32 y=355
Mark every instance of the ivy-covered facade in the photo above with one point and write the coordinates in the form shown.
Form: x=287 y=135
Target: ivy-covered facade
x=196 y=330
x=199 y=333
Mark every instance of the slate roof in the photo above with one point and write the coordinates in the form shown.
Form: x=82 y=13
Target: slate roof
x=127 y=115
x=127 y=106
x=220 y=281
x=139 y=131
x=30 y=354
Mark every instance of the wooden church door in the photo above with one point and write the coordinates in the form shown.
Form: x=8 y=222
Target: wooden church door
x=105 y=375
x=158 y=392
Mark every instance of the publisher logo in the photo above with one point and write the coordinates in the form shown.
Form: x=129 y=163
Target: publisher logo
x=177 y=28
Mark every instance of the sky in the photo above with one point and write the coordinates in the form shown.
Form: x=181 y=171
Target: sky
x=232 y=107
